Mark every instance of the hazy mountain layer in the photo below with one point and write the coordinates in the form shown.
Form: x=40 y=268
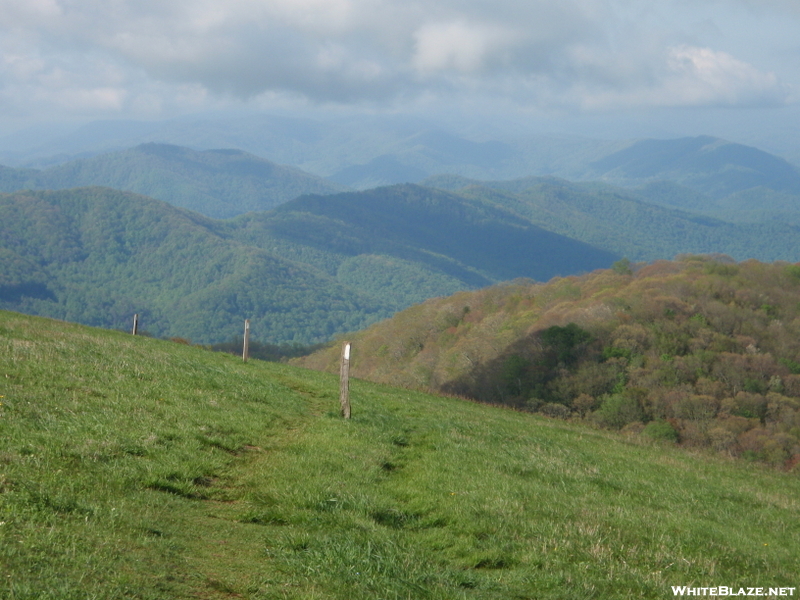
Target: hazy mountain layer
x=726 y=180
x=216 y=183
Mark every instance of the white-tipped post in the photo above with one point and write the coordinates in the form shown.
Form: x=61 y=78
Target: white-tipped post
x=344 y=381
x=246 y=343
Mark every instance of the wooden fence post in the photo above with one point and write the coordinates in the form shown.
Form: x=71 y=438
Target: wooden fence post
x=344 y=381
x=246 y=344
x=135 y=324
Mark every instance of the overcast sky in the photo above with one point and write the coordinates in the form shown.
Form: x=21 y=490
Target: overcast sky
x=548 y=59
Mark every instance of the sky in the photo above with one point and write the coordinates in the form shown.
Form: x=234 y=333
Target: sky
x=614 y=65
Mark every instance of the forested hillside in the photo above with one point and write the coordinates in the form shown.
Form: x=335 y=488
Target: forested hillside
x=628 y=222
x=303 y=273
x=216 y=183
x=703 y=351
x=427 y=224
x=97 y=256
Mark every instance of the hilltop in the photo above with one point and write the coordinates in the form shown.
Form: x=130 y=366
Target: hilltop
x=140 y=468
x=728 y=180
x=701 y=351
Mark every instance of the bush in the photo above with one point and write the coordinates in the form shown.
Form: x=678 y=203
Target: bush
x=555 y=410
x=617 y=411
x=660 y=430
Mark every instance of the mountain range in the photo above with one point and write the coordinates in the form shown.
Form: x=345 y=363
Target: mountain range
x=307 y=260
x=314 y=267
x=622 y=221
x=727 y=180
x=216 y=183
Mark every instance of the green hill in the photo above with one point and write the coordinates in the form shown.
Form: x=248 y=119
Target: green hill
x=629 y=223
x=216 y=183
x=139 y=468
x=98 y=256
x=493 y=243
x=317 y=267
x=702 y=351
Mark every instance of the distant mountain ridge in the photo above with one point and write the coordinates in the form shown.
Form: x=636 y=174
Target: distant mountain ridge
x=727 y=180
x=626 y=221
x=489 y=239
x=709 y=165
x=216 y=183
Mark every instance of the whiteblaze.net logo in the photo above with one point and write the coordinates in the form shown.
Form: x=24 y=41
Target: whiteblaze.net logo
x=720 y=591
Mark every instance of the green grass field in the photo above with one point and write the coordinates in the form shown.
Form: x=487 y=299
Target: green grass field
x=139 y=468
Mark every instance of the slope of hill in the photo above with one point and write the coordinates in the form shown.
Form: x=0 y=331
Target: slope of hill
x=408 y=220
x=216 y=183
x=705 y=349
x=98 y=256
x=303 y=273
x=137 y=468
x=627 y=222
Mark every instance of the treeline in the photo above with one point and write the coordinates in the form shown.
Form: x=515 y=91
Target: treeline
x=701 y=351
x=266 y=351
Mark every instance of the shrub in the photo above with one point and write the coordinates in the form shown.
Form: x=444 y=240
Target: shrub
x=721 y=439
x=622 y=267
x=584 y=403
x=793 y=271
x=660 y=430
x=555 y=410
x=617 y=411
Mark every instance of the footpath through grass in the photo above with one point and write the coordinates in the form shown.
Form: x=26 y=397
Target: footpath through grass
x=138 y=468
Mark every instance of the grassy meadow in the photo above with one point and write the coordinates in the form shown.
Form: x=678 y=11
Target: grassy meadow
x=146 y=469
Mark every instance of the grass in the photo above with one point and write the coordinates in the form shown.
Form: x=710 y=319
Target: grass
x=139 y=468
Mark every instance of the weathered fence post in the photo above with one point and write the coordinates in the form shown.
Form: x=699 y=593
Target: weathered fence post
x=135 y=324
x=344 y=381
x=246 y=344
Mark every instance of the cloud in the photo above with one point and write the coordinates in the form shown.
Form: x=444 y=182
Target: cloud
x=683 y=76
x=459 y=46
x=93 y=55
x=703 y=76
